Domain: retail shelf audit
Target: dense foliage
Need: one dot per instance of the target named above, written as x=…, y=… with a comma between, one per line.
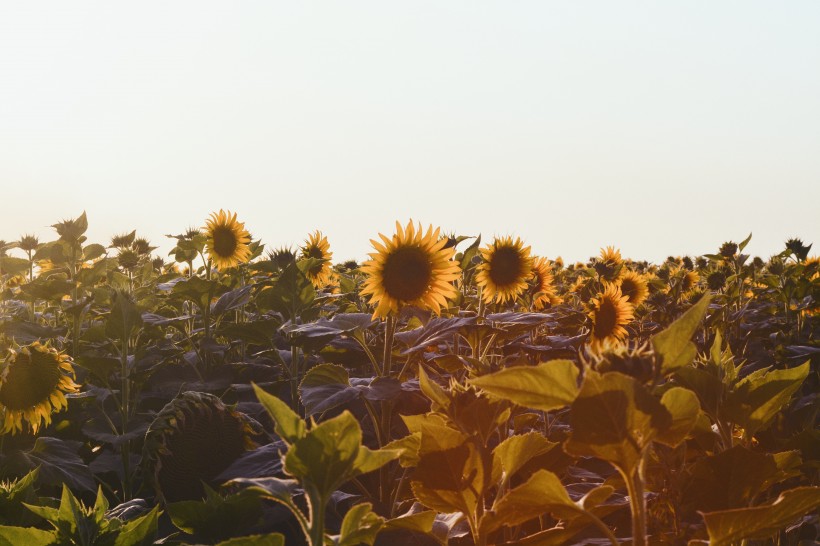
x=443, y=392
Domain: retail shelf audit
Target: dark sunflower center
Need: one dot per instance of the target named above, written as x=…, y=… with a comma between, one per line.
x=505, y=266
x=606, y=319
x=407, y=274
x=629, y=289
x=30, y=381
x=315, y=252
x=205, y=445
x=225, y=242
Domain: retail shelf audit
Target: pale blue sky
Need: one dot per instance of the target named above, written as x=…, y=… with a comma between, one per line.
x=662, y=128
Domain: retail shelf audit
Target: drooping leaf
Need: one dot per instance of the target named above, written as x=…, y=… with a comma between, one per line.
x=729, y=526
x=547, y=386
x=326, y=386
x=615, y=418
x=450, y=480
x=541, y=493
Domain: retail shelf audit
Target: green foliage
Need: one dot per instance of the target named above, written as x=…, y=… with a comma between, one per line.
x=74, y=523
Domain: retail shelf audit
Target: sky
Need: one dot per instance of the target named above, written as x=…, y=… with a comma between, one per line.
x=663, y=128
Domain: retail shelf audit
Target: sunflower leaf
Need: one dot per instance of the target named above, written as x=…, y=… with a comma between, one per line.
x=673, y=345
x=547, y=386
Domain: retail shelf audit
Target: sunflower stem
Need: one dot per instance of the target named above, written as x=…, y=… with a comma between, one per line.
x=389, y=332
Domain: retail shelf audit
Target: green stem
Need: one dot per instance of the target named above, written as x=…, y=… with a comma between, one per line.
x=637, y=502
x=317, y=520
x=389, y=331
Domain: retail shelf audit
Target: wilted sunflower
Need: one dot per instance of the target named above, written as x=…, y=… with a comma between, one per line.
x=544, y=289
x=227, y=243
x=635, y=287
x=318, y=248
x=33, y=383
x=413, y=268
x=192, y=439
x=503, y=273
x=610, y=311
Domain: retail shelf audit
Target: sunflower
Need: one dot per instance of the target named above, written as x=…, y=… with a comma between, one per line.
x=193, y=424
x=317, y=248
x=610, y=311
x=610, y=264
x=33, y=383
x=634, y=286
x=228, y=240
x=413, y=268
x=503, y=273
x=544, y=289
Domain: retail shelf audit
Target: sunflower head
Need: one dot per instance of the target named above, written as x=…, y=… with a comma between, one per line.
x=29, y=243
x=505, y=268
x=123, y=240
x=282, y=257
x=609, y=313
x=609, y=264
x=33, y=384
x=227, y=240
x=192, y=439
x=635, y=287
x=317, y=248
x=128, y=259
x=639, y=362
x=142, y=246
x=542, y=284
x=728, y=249
x=411, y=268
x=796, y=247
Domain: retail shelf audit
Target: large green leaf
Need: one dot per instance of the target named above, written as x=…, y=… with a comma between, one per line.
x=729, y=526
x=216, y=516
x=124, y=318
x=682, y=404
x=540, y=494
x=547, y=386
x=673, y=345
x=615, y=418
x=359, y=526
x=325, y=387
x=287, y=424
x=734, y=478
x=17, y=536
x=758, y=397
x=513, y=453
x=450, y=480
x=291, y=294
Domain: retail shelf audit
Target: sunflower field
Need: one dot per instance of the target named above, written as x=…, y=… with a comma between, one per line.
x=449, y=390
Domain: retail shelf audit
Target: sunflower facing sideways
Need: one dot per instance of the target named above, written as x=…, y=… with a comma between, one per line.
x=543, y=280
x=634, y=286
x=33, y=382
x=228, y=240
x=609, y=312
x=317, y=248
x=411, y=268
x=504, y=271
